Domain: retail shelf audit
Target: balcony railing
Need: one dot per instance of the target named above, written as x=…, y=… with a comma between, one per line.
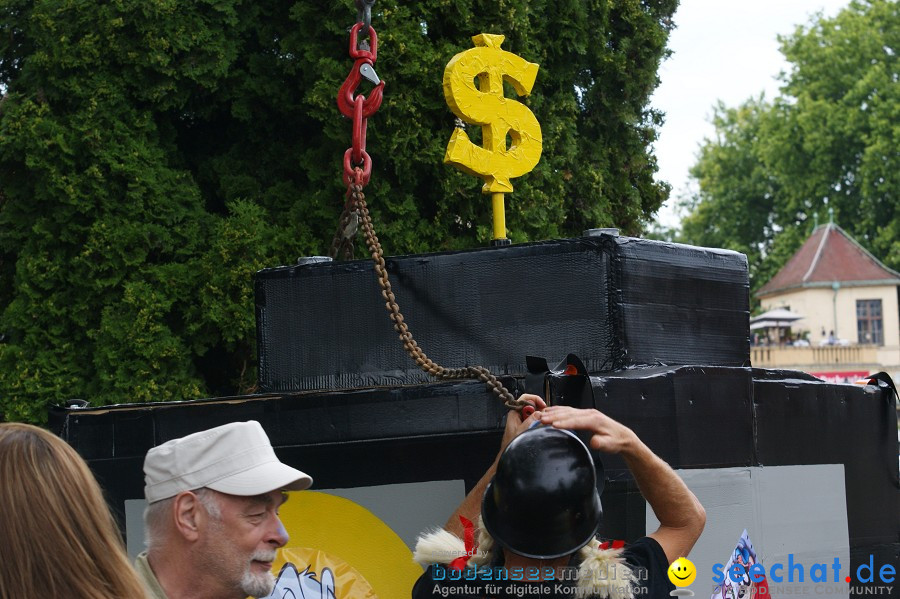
x=824, y=356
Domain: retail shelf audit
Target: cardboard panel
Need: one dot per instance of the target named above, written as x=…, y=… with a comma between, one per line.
x=682, y=304
x=692, y=417
x=611, y=301
x=624, y=512
x=324, y=326
x=796, y=510
x=801, y=421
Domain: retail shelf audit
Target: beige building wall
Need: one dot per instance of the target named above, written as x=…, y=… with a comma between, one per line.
x=816, y=306
x=823, y=308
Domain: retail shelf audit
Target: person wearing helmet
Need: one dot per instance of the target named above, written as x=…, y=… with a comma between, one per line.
x=540, y=511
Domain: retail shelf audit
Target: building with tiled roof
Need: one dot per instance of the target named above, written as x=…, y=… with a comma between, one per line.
x=829, y=256
x=846, y=296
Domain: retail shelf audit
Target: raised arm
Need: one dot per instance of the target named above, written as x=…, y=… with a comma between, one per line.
x=470, y=508
x=679, y=512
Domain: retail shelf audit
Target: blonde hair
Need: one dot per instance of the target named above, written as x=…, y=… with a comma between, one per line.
x=57, y=534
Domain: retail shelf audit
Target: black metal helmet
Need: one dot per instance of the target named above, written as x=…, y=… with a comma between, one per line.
x=543, y=502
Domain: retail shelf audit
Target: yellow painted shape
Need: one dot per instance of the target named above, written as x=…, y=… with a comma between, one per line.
x=498, y=116
x=499, y=215
x=368, y=558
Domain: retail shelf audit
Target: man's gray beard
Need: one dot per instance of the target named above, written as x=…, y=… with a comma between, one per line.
x=259, y=585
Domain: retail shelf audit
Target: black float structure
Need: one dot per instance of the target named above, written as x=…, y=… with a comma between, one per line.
x=663, y=330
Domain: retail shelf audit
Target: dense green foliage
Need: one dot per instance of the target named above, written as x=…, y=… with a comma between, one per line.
x=155, y=153
x=828, y=141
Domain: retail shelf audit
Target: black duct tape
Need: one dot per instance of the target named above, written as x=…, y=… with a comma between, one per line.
x=802, y=421
x=682, y=304
x=691, y=416
x=569, y=384
x=324, y=326
x=438, y=431
x=343, y=439
x=612, y=301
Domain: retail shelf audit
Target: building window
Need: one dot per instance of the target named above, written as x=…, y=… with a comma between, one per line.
x=869, y=325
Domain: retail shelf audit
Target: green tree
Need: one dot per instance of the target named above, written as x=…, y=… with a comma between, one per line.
x=828, y=141
x=737, y=193
x=153, y=155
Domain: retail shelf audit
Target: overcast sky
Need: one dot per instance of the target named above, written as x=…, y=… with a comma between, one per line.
x=722, y=50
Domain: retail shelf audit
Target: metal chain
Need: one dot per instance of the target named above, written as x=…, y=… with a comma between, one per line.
x=357, y=170
x=409, y=344
x=364, y=13
x=348, y=224
x=358, y=108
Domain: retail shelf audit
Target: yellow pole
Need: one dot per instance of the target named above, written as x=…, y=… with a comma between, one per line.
x=499, y=215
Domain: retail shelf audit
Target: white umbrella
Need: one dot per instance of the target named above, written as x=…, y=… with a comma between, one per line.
x=778, y=317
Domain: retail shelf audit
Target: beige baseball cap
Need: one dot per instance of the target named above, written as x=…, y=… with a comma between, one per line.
x=235, y=458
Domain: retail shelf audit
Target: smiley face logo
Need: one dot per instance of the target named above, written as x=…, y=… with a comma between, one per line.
x=682, y=572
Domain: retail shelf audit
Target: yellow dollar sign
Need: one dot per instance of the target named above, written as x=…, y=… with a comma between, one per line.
x=497, y=115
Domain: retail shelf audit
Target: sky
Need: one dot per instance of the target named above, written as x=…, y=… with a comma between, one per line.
x=721, y=50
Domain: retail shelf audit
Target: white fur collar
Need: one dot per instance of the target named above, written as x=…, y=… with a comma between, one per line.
x=602, y=573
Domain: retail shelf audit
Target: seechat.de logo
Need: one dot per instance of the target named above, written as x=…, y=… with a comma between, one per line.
x=795, y=571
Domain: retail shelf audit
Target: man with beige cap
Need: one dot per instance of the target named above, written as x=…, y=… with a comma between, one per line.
x=212, y=520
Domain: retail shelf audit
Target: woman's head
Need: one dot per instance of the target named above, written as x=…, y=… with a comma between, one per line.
x=58, y=537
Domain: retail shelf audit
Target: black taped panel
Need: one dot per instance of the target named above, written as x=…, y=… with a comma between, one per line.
x=683, y=305
x=443, y=431
x=415, y=459
x=93, y=435
x=876, y=557
x=611, y=301
x=800, y=421
x=294, y=420
x=324, y=326
x=679, y=413
x=692, y=416
x=624, y=512
x=120, y=479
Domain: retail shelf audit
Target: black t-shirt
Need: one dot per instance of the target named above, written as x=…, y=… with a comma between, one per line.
x=645, y=557
x=650, y=566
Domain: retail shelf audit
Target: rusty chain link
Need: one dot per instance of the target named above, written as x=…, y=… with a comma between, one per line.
x=348, y=224
x=357, y=170
x=358, y=201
